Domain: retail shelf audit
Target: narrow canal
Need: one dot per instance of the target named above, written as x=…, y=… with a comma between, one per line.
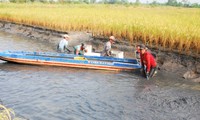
x=58, y=93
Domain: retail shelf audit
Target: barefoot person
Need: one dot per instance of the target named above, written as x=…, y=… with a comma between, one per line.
x=63, y=44
x=107, y=46
x=148, y=62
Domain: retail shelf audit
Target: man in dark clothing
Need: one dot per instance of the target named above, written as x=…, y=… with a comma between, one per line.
x=148, y=62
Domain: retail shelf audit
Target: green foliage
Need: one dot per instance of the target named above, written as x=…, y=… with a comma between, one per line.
x=195, y=5
x=172, y=2
x=92, y=1
x=18, y=1
x=183, y=3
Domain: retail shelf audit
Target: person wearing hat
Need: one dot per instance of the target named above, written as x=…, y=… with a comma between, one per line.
x=107, y=46
x=80, y=49
x=137, y=52
x=148, y=62
x=63, y=44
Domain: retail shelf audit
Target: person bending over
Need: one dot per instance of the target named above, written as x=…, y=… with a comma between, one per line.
x=80, y=49
x=148, y=62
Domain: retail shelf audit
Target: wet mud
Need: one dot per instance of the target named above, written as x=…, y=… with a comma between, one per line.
x=36, y=92
x=183, y=66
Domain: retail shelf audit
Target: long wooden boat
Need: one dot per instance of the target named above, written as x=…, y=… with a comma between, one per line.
x=70, y=60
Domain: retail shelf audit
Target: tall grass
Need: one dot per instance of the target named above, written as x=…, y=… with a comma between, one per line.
x=167, y=28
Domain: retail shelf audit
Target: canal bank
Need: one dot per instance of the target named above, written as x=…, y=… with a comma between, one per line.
x=60, y=93
x=182, y=66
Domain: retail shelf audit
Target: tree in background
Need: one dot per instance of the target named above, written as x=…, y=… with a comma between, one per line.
x=114, y=1
x=172, y=2
x=86, y=1
x=154, y=3
x=186, y=3
x=124, y=1
x=92, y=1
x=183, y=3
x=137, y=2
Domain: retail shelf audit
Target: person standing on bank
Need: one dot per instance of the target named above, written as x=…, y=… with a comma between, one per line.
x=107, y=46
x=63, y=44
x=148, y=62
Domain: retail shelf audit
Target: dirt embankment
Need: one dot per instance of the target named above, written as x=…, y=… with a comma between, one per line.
x=181, y=65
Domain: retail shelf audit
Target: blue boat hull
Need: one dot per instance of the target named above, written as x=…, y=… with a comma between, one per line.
x=70, y=60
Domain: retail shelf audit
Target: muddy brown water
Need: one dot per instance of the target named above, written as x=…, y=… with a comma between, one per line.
x=58, y=93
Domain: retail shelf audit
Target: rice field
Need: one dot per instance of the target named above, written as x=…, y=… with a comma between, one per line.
x=166, y=28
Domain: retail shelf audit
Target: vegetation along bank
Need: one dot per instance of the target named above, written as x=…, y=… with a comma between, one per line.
x=173, y=33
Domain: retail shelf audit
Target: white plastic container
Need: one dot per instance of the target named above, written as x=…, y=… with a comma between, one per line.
x=92, y=54
x=118, y=54
x=89, y=48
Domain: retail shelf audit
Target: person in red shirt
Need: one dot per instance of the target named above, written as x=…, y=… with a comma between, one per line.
x=148, y=62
